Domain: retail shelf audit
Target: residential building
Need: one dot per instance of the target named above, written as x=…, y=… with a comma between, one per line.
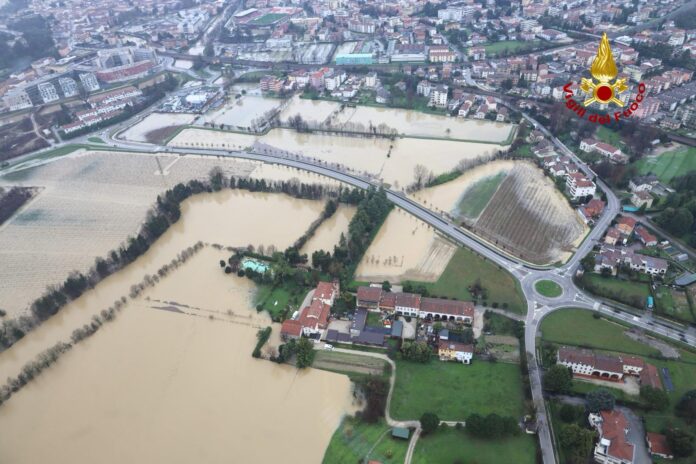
x=626, y=225
x=604, y=149
x=455, y=351
x=369, y=298
x=580, y=186
x=592, y=210
x=446, y=310
x=68, y=86
x=438, y=96
x=441, y=54
x=613, y=446
x=643, y=183
x=17, y=100
x=586, y=363
x=646, y=238
x=658, y=446
x=48, y=92
x=89, y=82
x=641, y=198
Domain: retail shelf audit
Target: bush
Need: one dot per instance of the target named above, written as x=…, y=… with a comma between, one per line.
x=262, y=337
x=305, y=353
x=429, y=422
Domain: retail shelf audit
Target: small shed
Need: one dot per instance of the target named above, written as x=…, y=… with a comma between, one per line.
x=397, y=329
x=401, y=432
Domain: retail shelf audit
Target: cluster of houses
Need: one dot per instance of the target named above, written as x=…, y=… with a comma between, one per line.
x=103, y=106
x=562, y=166
x=614, y=253
x=613, y=445
x=313, y=319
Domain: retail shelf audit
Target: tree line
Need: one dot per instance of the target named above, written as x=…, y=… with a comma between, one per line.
x=13, y=199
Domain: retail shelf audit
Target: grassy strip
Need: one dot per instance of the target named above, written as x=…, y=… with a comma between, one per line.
x=354, y=439
x=548, y=288
x=262, y=337
x=478, y=196
x=464, y=269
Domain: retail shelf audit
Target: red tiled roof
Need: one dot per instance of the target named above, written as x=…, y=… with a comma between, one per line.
x=324, y=290
x=452, y=307
x=633, y=361
x=369, y=294
x=456, y=346
x=645, y=236
x=316, y=314
x=608, y=363
x=291, y=327
x=627, y=221
x=614, y=425
x=388, y=300
x=658, y=444
x=408, y=300
x=650, y=376
x=576, y=356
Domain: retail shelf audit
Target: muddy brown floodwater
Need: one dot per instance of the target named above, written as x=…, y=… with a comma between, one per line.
x=172, y=378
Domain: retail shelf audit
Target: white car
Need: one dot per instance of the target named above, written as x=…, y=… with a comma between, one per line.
x=328, y=347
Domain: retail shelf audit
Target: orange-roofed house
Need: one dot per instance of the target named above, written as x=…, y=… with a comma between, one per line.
x=657, y=445
x=291, y=329
x=613, y=446
x=326, y=292
x=626, y=225
x=315, y=317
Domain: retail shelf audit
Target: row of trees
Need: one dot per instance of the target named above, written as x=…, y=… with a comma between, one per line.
x=13, y=199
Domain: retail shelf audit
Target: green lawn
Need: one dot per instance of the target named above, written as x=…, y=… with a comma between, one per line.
x=511, y=46
x=477, y=197
x=353, y=439
x=95, y=140
x=275, y=300
x=447, y=445
x=453, y=390
x=464, y=269
x=267, y=19
x=669, y=164
x=579, y=327
x=624, y=291
x=673, y=303
x=606, y=135
x=548, y=288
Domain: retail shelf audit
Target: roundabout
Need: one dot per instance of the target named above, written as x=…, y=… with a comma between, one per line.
x=548, y=288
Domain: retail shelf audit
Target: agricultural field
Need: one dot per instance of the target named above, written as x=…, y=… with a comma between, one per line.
x=356, y=441
x=669, y=164
x=394, y=162
x=477, y=197
x=529, y=218
x=424, y=259
x=51, y=231
x=448, y=445
x=316, y=111
x=156, y=127
x=432, y=387
x=464, y=269
x=349, y=364
x=417, y=124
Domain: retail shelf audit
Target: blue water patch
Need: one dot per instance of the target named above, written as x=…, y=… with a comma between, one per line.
x=668, y=379
x=255, y=265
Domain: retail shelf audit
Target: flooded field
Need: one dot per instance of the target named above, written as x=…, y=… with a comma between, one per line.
x=415, y=123
x=392, y=161
x=446, y=197
x=64, y=230
x=329, y=233
x=241, y=113
x=424, y=258
x=147, y=129
x=310, y=110
x=175, y=382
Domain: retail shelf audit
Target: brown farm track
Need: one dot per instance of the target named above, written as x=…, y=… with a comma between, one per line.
x=529, y=218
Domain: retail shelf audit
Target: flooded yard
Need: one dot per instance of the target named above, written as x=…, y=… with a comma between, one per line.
x=244, y=112
x=154, y=124
x=310, y=110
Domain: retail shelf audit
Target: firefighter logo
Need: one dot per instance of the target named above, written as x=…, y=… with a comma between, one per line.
x=603, y=71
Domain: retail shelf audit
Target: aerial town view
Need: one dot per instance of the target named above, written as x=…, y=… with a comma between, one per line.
x=348, y=231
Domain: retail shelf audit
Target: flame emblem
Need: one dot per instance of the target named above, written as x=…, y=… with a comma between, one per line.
x=604, y=71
